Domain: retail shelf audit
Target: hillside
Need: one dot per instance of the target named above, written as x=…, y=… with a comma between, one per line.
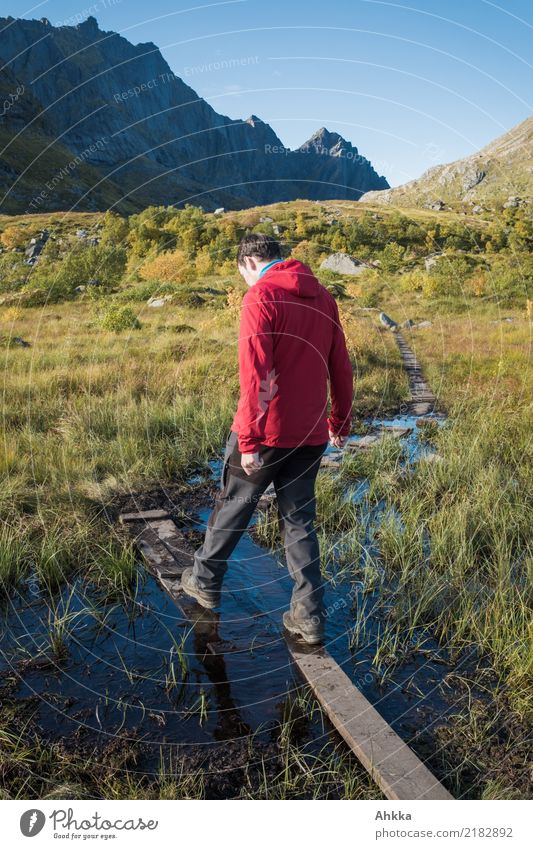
x=498, y=174
x=92, y=121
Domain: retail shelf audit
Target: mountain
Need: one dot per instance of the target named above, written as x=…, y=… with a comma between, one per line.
x=502, y=172
x=90, y=121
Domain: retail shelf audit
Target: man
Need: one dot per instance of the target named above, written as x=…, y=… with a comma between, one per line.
x=290, y=345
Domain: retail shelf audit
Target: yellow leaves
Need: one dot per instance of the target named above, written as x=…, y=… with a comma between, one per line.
x=202, y=263
x=234, y=301
x=14, y=237
x=170, y=267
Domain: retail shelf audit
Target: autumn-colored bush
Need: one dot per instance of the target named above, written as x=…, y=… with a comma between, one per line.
x=169, y=267
x=14, y=237
x=307, y=252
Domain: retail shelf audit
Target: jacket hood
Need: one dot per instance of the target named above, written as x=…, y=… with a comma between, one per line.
x=294, y=277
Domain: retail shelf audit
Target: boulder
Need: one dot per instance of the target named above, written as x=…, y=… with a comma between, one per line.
x=219, y=211
x=387, y=322
x=431, y=260
x=342, y=263
x=158, y=301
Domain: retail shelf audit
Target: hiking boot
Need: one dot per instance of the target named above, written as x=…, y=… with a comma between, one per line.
x=207, y=598
x=310, y=630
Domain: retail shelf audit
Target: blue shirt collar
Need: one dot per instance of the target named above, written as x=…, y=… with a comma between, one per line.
x=269, y=266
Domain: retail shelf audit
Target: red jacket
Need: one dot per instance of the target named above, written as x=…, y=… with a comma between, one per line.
x=290, y=345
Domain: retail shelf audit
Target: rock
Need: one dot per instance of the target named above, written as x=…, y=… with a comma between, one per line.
x=276, y=229
x=331, y=460
x=158, y=301
x=512, y=202
x=421, y=324
x=342, y=263
x=387, y=322
x=219, y=211
x=79, y=289
x=477, y=210
x=432, y=260
x=432, y=457
x=36, y=247
x=472, y=178
x=266, y=219
x=184, y=328
x=82, y=234
x=436, y=205
x=18, y=340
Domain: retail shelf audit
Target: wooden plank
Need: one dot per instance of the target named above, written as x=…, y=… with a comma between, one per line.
x=390, y=762
x=143, y=516
x=165, y=549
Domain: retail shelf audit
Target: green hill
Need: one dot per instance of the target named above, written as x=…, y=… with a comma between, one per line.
x=500, y=173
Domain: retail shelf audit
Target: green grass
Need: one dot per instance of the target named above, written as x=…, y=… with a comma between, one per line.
x=90, y=414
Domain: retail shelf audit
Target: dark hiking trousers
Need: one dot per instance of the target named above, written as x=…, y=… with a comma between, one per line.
x=293, y=472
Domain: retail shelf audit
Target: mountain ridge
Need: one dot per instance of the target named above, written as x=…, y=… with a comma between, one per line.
x=500, y=172
x=157, y=141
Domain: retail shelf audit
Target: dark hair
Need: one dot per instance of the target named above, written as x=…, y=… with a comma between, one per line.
x=258, y=245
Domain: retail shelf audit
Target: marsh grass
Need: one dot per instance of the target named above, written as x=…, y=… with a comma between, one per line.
x=88, y=414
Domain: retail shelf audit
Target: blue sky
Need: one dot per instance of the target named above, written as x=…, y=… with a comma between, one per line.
x=411, y=84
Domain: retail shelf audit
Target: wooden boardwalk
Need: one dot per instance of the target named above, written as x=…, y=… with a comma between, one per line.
x=422, y=400
x=390, y=762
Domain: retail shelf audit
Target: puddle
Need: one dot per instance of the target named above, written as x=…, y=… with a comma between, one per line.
x=146, y=673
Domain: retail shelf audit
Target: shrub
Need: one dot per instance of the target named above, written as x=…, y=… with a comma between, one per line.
x=54, y=281
x=169, y=267
x=307, y=252
x=391, y=258
x=413, y=281
x=448, y=276
x=202, y=263
x=117, y=317
x=13, y=272
x=14, y=236
x=234, y=300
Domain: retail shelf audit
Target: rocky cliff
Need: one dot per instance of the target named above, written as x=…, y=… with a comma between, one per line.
x=499, y=174
x=91, y=121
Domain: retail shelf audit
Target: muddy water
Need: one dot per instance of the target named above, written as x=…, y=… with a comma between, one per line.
x=120, y=670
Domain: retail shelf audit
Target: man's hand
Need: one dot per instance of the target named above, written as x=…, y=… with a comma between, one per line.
x=251, y=463
x=337, y=441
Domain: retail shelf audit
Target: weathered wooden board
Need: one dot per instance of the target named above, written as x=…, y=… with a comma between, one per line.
x=390, y=762
x=422, y=398
x=143, y=516
x=164, y=548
